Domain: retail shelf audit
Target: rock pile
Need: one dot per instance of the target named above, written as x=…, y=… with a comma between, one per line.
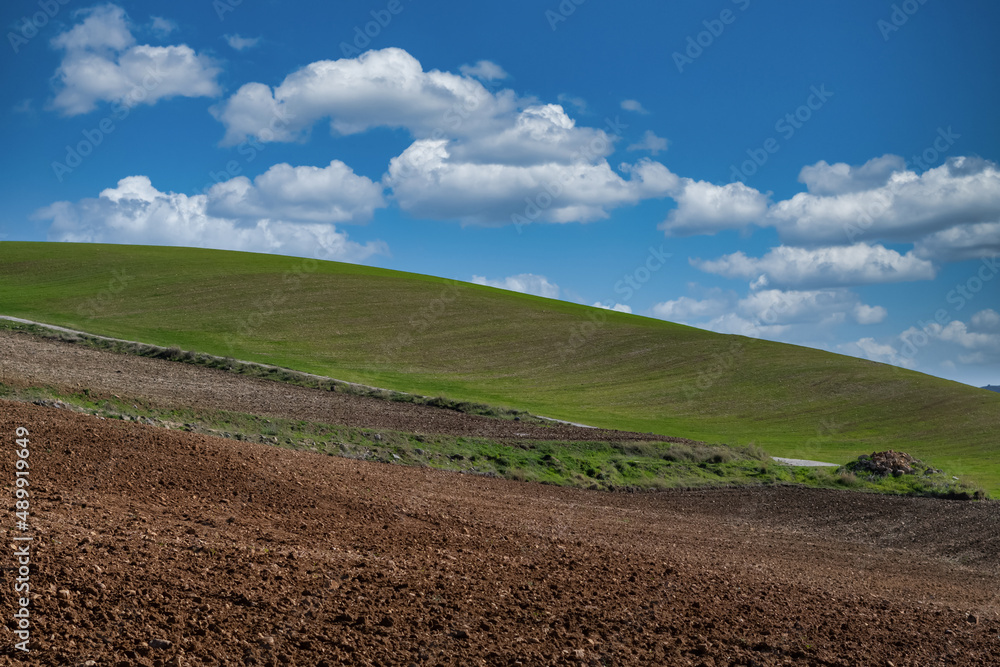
x=888, y=463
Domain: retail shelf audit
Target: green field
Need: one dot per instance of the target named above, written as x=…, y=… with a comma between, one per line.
x=437, y=337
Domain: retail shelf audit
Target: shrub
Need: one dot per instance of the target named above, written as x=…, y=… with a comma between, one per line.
x=755, y=452
x=721, y=455
x=847, y=478
x=679, y=454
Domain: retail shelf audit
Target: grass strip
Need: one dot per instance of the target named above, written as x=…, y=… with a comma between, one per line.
x=597, y=465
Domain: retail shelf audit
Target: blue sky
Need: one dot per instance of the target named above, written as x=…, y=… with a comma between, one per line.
x=819, y=173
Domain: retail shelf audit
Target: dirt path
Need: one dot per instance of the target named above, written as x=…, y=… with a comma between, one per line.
x=235, y=553
x=804, y=463
x=30, y=361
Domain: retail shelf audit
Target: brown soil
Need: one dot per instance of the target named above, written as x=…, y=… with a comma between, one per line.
x=234, y=553
x=157, y=547
x=31, y=361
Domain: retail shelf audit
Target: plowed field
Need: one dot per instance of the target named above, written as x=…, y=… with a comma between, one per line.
x=158, y=547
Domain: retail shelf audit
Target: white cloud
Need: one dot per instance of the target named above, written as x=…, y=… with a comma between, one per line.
x=833, y=179
x=300, y=194
x=865, y=314
x=869, y=348
x=163, y=27
x=633, y=105
x=241, y=43
x=950, y=213
x=705, y=208
x=973, y=241
x=732, y=323
x=577, y=103
x=798, y=306
x=986, y=321
x=102, y=63
x=536, y=135
x=528, y=283
x=384, y=88
x=428, y=182
x=786, y=266
x=685, y=309
x=135, y=212
x=962, y=191
x=477, y=156
x=939, y=348
x=650, y=142
x=484, y=69
x=776, y=314
x=957, y=332
x=104, y=28
x=619, y=307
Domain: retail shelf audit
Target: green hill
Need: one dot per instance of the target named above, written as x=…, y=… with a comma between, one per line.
x=438, y=337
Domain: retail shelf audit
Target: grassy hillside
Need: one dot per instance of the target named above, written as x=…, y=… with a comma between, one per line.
x=433, y=336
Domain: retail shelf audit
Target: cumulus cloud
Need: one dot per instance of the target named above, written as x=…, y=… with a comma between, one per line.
x=384, y=88
x=825, y=179
x=102, y=63
x=787, y=266
x=300, y=194
x=869, y=348
x=135, y=212
x=798, y=306
x=951, y=342
x=633, y=105
x=528, y=283
x=241, y=43
x=705, y=208
x=649, y=142
x=986, y=321
x=163, y=27
x=478, y=156
x=104, y=27
x=950, y=213
x=619, y=307
x=958, y=332
x=771, y=313
x=865, y=314
x=907, y=207
x=933, y=345
x=538, y=134
x=484, y=69
x=686, y=309
x=973, y=241
x=428, y=182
